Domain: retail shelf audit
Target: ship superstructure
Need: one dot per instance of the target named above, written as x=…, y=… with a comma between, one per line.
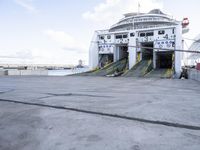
x=138, y=37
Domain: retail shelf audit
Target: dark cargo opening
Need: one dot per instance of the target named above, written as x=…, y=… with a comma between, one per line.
x=164, y=60
x=123, y=52
x=147, y=51
x=105, y=59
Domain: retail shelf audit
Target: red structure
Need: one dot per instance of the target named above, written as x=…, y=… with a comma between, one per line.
x=185, y=22
x=198, y=66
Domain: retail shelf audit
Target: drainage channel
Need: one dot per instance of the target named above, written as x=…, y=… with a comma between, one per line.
x=164, y=123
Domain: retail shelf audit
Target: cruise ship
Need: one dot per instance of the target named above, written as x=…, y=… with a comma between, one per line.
x=142, y=42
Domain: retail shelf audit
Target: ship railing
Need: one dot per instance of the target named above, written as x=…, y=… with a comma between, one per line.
x=102, y=31
x=122, y=23
x=151, y=26
x=122, y=29
x=147, y=19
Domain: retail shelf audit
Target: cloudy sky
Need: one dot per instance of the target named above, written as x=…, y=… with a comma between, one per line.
x=59, y=31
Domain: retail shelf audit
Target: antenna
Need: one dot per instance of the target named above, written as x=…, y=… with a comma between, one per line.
x=139, y=7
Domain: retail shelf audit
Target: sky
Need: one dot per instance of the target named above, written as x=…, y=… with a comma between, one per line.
x=60, y=31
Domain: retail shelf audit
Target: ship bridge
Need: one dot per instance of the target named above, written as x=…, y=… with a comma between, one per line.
x=154, y=18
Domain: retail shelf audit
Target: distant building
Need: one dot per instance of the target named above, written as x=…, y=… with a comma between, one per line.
x=80, y=64
x=155, y=31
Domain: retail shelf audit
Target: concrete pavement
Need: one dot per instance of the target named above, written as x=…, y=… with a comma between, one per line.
x=27, y=126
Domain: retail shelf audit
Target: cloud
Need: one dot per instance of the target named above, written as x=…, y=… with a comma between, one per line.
x=61, y=38
x=68, y=48
x=110, y=11
x=65, y=41
x=24, y=54
x=20, y=56
x=27, y=4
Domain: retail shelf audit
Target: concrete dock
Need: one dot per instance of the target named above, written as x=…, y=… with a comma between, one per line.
x=96, y=113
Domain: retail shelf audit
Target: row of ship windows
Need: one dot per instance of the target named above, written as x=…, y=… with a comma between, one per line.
x=118, y=36
x=160, y=32
x=121, y=36
x=142, y=34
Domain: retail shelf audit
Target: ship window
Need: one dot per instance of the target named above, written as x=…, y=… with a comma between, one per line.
x=132, y=34
x=108, y=37
x=101, y=37
x=118, y=36
x=149, y=34
x=173, y=31
x=161, y=32
x=125, y=36
x=142, y=34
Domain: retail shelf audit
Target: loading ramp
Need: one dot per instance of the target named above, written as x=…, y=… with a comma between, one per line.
x=140, y=69
x=160, y=73
x=118, y=67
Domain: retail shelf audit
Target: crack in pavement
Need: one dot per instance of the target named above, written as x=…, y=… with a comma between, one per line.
x=6, y=91
x=40, y=98
x=75, y=94
x=164, y=123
